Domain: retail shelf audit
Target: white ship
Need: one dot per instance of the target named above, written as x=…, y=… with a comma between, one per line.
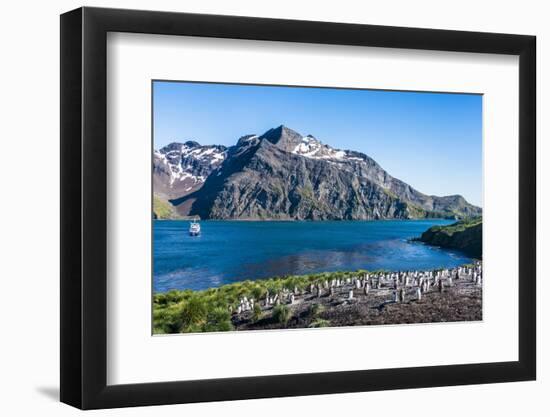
x=194, y=228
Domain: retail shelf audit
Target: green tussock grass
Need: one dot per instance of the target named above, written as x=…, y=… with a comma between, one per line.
x=319, y=323
x=282, y=314
x=190, y=311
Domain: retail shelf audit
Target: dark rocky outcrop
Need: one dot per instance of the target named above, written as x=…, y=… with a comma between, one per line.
x=465, y=235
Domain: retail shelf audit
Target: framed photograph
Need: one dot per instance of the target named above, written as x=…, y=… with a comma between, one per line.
x=256, y=208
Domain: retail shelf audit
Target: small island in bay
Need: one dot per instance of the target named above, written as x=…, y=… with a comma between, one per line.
x=260, y=226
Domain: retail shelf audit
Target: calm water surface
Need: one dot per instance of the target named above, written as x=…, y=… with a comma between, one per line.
x=229, y=251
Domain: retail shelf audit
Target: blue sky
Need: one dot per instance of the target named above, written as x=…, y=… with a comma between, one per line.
x=432, y=141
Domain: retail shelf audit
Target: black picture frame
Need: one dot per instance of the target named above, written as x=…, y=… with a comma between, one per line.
x=84, y=207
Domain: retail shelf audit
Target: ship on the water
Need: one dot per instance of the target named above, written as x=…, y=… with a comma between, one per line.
x=194, y=228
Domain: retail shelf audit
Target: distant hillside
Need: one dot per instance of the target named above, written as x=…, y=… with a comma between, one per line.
x=181, y=168
x=282, y=175
x=163, y=210
x=464, y=235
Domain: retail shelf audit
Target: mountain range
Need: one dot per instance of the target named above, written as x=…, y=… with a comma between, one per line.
x=282, y=175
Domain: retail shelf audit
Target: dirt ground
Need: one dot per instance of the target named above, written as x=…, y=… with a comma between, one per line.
x=461, y=302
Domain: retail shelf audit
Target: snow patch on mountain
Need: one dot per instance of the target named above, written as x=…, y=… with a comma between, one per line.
x=189, y=164
x=312, y=148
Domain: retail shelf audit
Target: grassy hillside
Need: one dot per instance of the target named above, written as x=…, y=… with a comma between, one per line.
x=464, y=235
x=162, y=209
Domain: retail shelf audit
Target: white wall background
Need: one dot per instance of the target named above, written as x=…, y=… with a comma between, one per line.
x=29, y=177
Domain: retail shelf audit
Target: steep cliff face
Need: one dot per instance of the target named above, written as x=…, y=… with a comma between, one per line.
x=465, y=236
x=284, y=175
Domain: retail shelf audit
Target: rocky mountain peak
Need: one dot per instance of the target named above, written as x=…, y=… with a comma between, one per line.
x=283, y=137
x=173, y=146
x=247, y=140
x=192, y=144
x=308, y=146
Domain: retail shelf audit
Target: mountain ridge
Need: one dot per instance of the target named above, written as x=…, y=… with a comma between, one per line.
x=282, y=175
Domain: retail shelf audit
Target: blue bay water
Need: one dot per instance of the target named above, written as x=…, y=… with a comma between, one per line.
x=230, y=251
